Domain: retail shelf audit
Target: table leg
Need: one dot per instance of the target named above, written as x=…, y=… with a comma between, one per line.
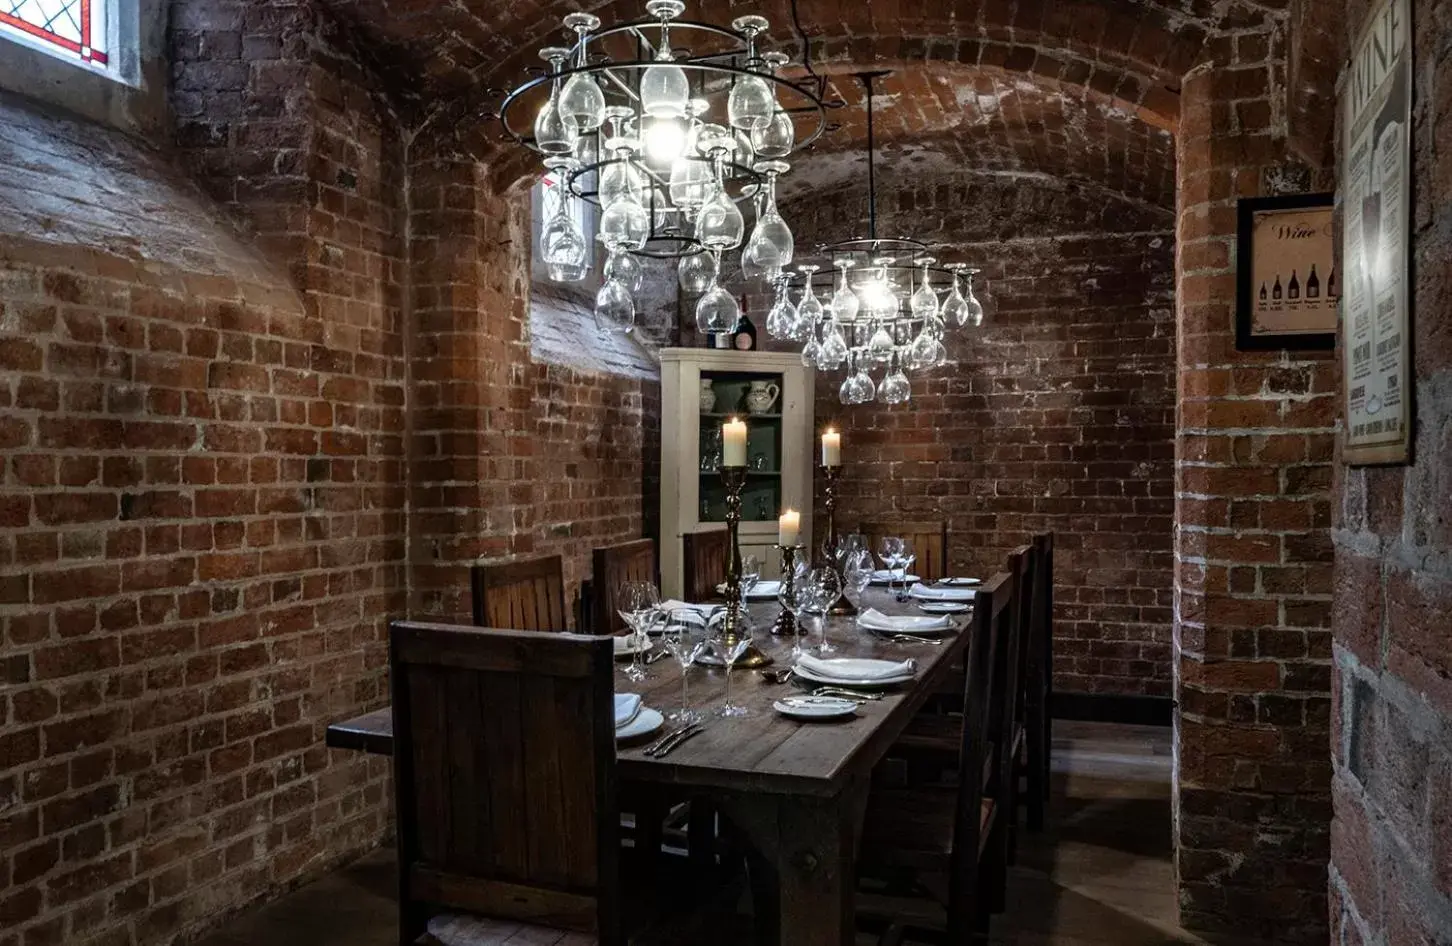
x=805, y=848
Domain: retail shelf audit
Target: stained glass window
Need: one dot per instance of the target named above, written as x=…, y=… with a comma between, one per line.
x=73, y=27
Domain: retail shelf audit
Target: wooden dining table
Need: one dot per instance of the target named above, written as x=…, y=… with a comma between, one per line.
x=796, y=790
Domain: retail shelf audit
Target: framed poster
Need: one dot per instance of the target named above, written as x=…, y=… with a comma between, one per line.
x=1285, y=279
x=1376, y=113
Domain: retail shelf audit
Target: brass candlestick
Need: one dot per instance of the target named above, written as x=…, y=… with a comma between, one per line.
x=786, y=622
x=734, y=477
x=829, y=546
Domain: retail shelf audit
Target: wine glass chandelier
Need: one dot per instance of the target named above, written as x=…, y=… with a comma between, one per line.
x=667, y=128
x=874, y=320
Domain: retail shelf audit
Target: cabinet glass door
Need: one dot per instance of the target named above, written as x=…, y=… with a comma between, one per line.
x=754, y=397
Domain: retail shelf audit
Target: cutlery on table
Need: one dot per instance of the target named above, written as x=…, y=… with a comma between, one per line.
x=662, y=654
x=843, y=692
x=655, y=746
x=911, y=639
x=673, y=740
x=686, y=736
x=776, y=676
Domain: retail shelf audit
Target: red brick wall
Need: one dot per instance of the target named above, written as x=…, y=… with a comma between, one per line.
x=1252, y=544
x=1057, y=416
x=201, y=541
x=1391, y=841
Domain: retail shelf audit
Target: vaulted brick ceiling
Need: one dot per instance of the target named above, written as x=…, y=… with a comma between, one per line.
x=1082, y=89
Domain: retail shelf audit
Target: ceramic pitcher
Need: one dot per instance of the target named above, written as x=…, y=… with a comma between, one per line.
x=708, y=396
x=762, y=396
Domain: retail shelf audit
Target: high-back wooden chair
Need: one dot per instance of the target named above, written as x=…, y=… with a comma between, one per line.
x=954, y=829
x=613, y=566
x=526, y=595
x=929, y=541
x=504, y=781
x=704, y=557
x=1039, y=680
x=1022, y=564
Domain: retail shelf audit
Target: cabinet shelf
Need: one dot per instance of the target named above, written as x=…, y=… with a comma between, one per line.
x=741, y=414
x=749, y=473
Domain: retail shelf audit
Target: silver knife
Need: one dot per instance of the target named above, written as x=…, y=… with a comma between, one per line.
x=685, y=737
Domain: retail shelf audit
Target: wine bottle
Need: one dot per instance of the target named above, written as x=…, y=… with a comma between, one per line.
x=744, y=338
x=1313, y=284
x=1331, y=284
x=1262, y=292
x=1276, y=289
x=1293, y=288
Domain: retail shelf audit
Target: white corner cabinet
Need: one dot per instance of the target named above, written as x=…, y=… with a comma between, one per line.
x=700, y=390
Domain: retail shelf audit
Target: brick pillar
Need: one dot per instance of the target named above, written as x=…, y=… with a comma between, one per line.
x=1254, y=446
x=470, y=469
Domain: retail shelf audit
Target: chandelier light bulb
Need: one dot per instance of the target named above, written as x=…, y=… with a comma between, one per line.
x=665, y=141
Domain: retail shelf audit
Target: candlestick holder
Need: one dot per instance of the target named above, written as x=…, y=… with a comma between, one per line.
x=735, y=627
x=829, y=545
x=786, y=622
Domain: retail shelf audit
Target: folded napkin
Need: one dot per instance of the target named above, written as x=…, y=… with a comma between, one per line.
x=762, y=589
x=848, y=668
x=940, y=593
x=875, y=620
x=706, y=612
x=890, y=574
x=627, y=707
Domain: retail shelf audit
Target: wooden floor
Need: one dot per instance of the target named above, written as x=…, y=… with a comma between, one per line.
x=1101, y=874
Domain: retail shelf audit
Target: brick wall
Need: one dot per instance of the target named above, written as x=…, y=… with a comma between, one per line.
x=1252, y=543
x=1057, y=415
x=1391, y=841
x=202, y=538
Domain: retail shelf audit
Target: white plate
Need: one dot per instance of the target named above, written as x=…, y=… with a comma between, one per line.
x=960, y=582
x=909, y=624
x=645, y=722
x=815, y=707
x=882, y=576
x=943, y=607
x=839, y=682
x=763, y=591
x=941, y=594
x=628, y=645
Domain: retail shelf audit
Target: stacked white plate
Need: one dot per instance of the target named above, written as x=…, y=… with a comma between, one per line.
x=884, y=575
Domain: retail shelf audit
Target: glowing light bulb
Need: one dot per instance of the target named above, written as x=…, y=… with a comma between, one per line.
x=665, y=141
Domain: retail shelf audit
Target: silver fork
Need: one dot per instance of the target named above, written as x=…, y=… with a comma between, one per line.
x=673, y=740
x=849, y=694
x=683, y=738
x=912, y=639
x=655, y=746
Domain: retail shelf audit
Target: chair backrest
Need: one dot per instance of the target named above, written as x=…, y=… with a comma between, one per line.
x=527, y=595
x=704, y=556
x=1022, y=564
x=929, y=541
x=614, y=565
x=1041, y=616
x=993, y=601
x=504, y=777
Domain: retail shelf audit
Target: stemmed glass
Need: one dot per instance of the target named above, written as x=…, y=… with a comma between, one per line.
x=750, y=575
x=796, y=598
x=684, y=635
x=890, y=551
x=826, y=588
x=904, y=563
x=729, y=651
x=638, y=601
x=856, y=575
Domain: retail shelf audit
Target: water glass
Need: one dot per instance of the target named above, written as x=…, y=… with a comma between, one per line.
x=637, y=601
x=683, y=634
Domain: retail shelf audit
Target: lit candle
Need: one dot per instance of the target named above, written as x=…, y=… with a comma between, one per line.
x=733, y=443
x=831, y=448
x=788, y=528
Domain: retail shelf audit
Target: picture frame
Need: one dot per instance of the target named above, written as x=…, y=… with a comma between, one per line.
x=1287, y=286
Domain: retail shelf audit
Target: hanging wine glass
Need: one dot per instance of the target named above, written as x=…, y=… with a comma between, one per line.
x=975, y=308
x=614, y=308
x=552, y=134
x=923, y=352
x=955, y=307
x=895, y=388
x=845, y=303
x=924, y=302
x=664, y=89
x=695, y=273
x=719, y=225
x=582, y=104
x=620, y=179
x=878, y=298
x=857, y=387
x=812, y=348
x=881, y=346
x=752, y=102
x=690, y=174
x=774, y=140
x=772, y=245
x=834, y=349
x=626, y=268
x=808, y=310
x=717, y=310
x=562, y=245
x=780, y=319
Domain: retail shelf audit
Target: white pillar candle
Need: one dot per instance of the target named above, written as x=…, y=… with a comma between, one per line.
x=733, y=443
x=788, y=528
x=831, y=448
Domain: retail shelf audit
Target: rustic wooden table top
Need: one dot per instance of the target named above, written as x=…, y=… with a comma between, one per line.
x=763, y=751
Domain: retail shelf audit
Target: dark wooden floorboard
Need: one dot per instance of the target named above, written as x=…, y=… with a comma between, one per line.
x=1101, y=874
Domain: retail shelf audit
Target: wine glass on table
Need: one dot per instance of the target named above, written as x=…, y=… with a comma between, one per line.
x=684, y=636
x=750, y=577
x=797, y=599
x=730, y=650
x=638, y=601
x=826, y=588
x=889, y=550
x=857, y=571
x=905, y=561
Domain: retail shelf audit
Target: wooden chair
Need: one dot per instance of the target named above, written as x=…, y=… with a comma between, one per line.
x=614, y=565
x=527, y=595
x=1039, y=680
x=704, y=557
x=505, y=786
x=929, y=541
x=957, y=829
x=1022, y=564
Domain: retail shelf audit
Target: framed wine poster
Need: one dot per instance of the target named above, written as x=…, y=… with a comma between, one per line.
x=1376, y=114
x=1286, y=280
